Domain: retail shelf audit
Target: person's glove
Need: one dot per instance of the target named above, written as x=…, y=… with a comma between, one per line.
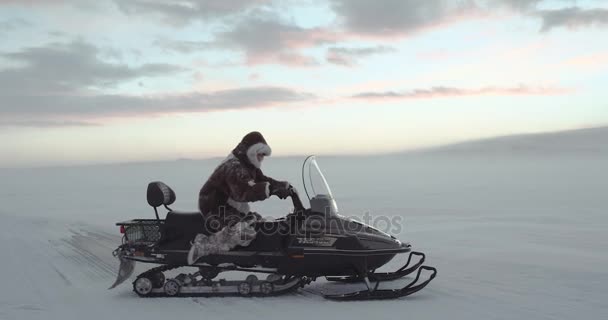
x=252, y=217
x=282, y=191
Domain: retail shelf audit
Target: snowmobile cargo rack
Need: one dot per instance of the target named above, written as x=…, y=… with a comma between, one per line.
x=141, y=230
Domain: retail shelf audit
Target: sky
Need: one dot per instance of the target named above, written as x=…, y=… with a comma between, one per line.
x=88, y=81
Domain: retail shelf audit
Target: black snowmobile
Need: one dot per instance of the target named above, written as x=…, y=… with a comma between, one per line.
x=293, y=251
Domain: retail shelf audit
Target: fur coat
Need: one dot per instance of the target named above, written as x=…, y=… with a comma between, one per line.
x=238, y=180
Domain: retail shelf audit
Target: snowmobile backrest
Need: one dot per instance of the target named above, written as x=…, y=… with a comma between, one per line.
x=160, y=194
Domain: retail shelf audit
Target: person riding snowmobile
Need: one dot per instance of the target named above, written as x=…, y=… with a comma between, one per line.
x=224, y=198
x=237, y=181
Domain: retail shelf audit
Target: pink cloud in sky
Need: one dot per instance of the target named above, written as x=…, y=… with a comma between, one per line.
x=269, y=39
x=445, y=92
x=288, y=41
x=422, y=29
x=31, y=2
x=288, y=58
x=292, y=41
x=599, y=59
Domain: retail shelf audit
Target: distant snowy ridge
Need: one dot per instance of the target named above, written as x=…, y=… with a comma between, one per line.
x=581, y=141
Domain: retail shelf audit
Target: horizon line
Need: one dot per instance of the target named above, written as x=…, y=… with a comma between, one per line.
x=414, y=150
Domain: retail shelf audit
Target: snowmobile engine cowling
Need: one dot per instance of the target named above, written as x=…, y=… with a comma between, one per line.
x=324, y=203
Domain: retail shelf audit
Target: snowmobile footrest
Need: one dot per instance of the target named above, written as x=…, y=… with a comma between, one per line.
x=386, y=276
x=409, y=289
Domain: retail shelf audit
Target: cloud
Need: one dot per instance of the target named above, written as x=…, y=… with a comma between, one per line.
x=265, y=38
x=596, y=61
x=520, y=5
x=183, y=12
x=572, y=18
x=93, y=6
x=31, y=2
x=569, y=17
x=293, y=59
x=69, y=67
x=440, y=92
x=61, y=107
x=384, y=18
x=46, y=124
x=348, y=56
x=13, y=24
x=182, y=46
x=398, y=18
x=60, y=84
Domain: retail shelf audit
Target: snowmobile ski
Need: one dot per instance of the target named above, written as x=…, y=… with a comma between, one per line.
x=385, y=276
x=383, y=294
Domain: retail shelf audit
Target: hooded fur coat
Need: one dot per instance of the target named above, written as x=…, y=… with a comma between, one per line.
x=237, y=181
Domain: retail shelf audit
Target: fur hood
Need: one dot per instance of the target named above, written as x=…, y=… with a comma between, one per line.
x=248, y=149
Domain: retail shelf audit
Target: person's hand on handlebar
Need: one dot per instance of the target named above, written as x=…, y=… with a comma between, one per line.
x=282, y=191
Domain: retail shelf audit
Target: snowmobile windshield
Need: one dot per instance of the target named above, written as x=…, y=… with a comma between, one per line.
x=314, y=179
x=316, y=187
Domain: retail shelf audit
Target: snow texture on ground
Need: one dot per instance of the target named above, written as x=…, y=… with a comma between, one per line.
x=516, y=234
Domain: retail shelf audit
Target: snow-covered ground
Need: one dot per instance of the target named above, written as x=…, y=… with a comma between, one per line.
x=516, y=227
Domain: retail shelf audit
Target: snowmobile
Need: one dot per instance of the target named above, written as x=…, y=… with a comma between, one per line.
x=293, y=251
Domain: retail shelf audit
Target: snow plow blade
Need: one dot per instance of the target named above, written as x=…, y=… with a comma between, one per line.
x=386, y=276
x=124, y=271
x=383, y=294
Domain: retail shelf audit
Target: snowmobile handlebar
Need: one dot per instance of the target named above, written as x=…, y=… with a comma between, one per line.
x=295, y=198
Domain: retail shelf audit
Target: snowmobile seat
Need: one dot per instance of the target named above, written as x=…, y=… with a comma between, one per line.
x=184, y=218
x=181, y=228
